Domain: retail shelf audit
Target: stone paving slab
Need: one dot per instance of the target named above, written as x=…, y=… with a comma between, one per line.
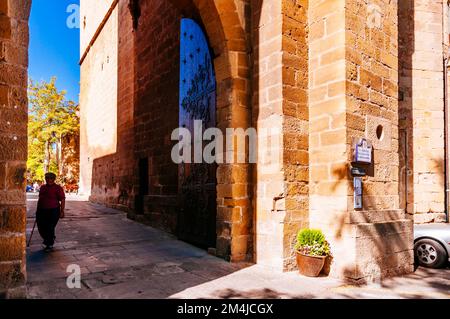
x=120, y=258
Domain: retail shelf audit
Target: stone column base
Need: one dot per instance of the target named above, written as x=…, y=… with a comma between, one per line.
x=374, y=246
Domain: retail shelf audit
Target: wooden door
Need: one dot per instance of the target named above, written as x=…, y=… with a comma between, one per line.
x=197, y=181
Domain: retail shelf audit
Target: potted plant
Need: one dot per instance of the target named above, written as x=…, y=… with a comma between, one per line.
x=312, y=250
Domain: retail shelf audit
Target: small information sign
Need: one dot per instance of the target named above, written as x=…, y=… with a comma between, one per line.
x=363, y=151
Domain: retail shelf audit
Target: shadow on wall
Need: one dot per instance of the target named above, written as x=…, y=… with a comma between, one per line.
x=383, y=233
x=112, y=181
x=385, y=240
x=108, y=187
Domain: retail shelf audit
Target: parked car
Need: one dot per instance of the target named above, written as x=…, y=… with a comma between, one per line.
x=432, y=245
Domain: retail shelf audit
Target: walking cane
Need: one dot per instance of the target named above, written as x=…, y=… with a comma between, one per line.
x=31, y=236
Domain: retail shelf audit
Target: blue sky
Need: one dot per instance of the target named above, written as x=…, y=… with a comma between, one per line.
x=54, y=47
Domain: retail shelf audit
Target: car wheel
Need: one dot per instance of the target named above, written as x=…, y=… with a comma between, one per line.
x=429, y=253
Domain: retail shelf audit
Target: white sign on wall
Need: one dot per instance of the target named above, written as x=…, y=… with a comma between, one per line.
x=363, y=151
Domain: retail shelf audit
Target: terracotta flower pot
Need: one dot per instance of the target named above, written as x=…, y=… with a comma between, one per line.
x=310, y=266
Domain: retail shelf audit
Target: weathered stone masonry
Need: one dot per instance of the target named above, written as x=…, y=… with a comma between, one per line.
x=13, y=145
x=107, y=137
x=318, y=72
x=314, y=69
x=423, y=41
x=151, y=72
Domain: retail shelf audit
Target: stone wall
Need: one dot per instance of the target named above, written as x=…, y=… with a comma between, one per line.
x=107, y=161
x=13, y=145
x=353, y=83
x=384, y=244
x=125, y=168
x=92, y=14
x=280, y=108
x=422, y=108
x=296, y=124
x=320, y=74
x=329, y=181
x=267, y=114
x=99, y=70
x=156, y=108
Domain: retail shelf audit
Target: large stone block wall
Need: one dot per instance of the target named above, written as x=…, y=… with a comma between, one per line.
x=125, y=164
x=107, y=159
x=267, y=114
x=156, y=107
x=92, y=14
x=13, y=145
x=372, y=95
x=353, y=83
x=422, y=27
x=296, y=124
x=329, y=181
x=233, y=66
x=280, y=108
x=99, y=71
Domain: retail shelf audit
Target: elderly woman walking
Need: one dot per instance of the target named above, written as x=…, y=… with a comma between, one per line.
x=50, y=209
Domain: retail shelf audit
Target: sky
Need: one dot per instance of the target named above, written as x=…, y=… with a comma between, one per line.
x=54, y=47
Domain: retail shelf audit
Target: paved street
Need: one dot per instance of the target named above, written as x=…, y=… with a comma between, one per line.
x=120, y=258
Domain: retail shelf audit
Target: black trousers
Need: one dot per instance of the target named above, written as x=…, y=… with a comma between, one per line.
x=47, y=219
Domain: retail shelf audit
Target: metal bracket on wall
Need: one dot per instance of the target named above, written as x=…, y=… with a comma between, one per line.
x=275, y=199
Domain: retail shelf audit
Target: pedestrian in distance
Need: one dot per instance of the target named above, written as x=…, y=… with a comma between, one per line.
x=50, y=209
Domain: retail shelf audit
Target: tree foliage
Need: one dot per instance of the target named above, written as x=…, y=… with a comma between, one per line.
x=51, y=118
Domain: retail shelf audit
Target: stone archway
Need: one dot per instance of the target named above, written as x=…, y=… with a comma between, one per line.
x=224, y=27
x=146, y=82
x=197, y=187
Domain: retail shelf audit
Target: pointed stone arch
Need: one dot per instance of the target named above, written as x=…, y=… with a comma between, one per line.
x=226, y=28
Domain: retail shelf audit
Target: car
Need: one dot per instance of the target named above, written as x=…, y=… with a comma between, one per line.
x=432, y=245
x=29, y=189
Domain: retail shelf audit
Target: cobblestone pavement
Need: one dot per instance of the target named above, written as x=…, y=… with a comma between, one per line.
x=120, y=258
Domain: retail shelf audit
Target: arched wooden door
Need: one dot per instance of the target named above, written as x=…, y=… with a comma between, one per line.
x=197, y=181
